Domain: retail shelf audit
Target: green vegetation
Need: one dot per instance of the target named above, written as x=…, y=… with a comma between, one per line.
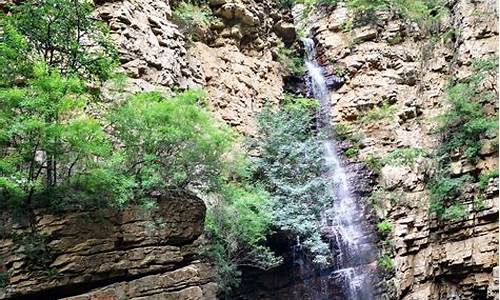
x=344, y=131
x=403, y=156
x=4, y=279
x=309, y=4
x=237, y=225
x=384, y=227
x=419, y=10
x=194, y=19
x=290, y=168
x=384, y=112
x=379, y=196
x=386, y=263
x=52, y=151
x=60, y=147
x=352, y=152
x=456, y=211
x=292, y=62
x=170, y=143
x=463, y=127
x=485, y=179
x=374, y=163
x=445, y=190
x=54, y=31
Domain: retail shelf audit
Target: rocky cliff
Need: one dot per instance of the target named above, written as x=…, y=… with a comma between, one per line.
x=392, y=68
x=133, y=254
x=128, y=254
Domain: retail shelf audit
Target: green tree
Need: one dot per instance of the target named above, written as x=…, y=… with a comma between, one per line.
x=48, y=143
x=171, y=143
x=291, y=168
x=62, y=33
x=237, y=224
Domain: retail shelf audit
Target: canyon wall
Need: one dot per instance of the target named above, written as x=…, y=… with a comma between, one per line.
x=109, y=254
x=137, y=253
x=391, y=63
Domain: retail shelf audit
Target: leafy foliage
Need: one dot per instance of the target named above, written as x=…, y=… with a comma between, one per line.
x=290, y=168
x=377, y=113
x=237, y=225
x=384, y=227
x=463, y=127
x=444, y=190
x=386, y=263
x=171, y=143
x=194, y=19
x=465, y=124
x=289, y=58
x=403, y=156
x=485, y=179
x=418, y=10
x=48, y=142
x=62, y=34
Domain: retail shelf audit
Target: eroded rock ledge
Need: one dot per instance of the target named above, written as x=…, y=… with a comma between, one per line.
x=110, y=254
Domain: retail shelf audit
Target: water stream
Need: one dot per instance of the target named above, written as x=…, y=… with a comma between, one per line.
x=343, y=224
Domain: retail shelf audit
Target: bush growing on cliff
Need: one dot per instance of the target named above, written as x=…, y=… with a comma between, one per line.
x=62, y=34
x=463, y=127
x=417, y=10
x=171, y=143
x=292, y=62
x=194, y=19
x=237, y=224
x=290, y=167
x=403, y=156
x=48, y=143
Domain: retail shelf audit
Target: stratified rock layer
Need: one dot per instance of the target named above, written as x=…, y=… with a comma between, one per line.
x=390, y=61
x=134, y=252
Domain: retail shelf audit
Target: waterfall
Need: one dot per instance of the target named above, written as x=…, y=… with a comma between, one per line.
x=343, y=223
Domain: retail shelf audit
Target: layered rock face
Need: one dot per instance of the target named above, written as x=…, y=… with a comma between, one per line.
x=390, y=63
x=239, y=72
x=109, y=254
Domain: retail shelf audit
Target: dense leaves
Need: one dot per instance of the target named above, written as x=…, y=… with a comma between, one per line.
x=290, y=168
x=171, y=143
x=61, y=33
x=48, y=142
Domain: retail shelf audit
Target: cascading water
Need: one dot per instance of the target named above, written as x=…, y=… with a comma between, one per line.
x=343, y=224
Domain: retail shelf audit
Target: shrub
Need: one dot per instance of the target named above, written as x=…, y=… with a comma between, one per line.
x=374, y=163
x=443, y=191
x=384, y=112
x=404, y=157
x=291, y=169
x=61, y=33
x=342, y=130
x=418, y=10
x=193, y=19
x=171, y=143
x=386, y=263
x=463, y=127
x=455, y=212
x=465, y=124
x=485, y=179
x=352, y=152
x=237, y=225
x=292, y=62
x=384, y=227
x=48, y=143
